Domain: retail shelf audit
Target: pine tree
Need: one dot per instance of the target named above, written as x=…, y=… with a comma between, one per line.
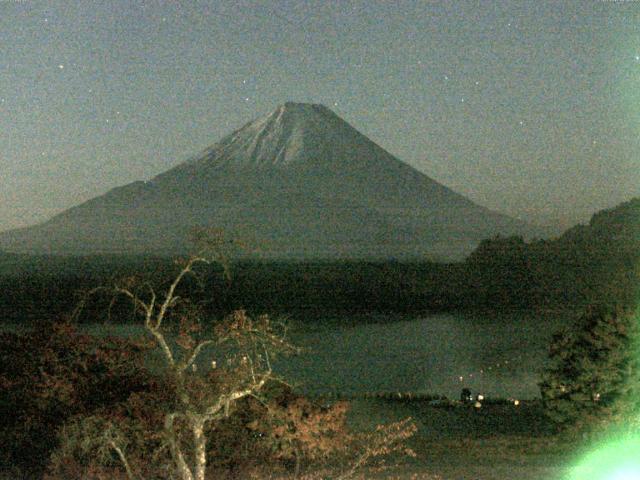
x=594, y=374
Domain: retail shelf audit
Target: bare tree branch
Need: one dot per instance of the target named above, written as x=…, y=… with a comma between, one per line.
x=194, y=355
x=225, y=400
x=123, y=459
x=170, y=293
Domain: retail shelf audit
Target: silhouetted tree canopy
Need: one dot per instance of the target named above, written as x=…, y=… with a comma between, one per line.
x=594, y=376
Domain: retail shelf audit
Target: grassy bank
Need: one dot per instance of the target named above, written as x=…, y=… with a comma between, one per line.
x=496, y=442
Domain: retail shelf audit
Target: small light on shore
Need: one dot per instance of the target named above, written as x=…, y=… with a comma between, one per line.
x=516, y=402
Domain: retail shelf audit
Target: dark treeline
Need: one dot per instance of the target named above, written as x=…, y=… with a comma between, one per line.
x=589, y=264
x=42, y=288
x=598, y=263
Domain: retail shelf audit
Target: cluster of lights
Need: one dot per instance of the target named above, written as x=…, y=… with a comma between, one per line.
x=482, y=371
x=480, y=397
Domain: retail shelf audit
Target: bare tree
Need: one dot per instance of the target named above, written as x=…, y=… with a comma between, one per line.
x=210, y=365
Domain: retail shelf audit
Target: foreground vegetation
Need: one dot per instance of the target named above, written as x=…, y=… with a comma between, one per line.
x=87, y=407
x=81, y=406
x=76, y=399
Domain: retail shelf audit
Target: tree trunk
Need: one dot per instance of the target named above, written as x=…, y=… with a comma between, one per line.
x=181, y=465
x=200, y=446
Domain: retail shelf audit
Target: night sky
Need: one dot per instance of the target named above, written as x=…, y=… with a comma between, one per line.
x=530, y=108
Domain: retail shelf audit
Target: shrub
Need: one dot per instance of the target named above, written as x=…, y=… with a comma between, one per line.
x=49, y=375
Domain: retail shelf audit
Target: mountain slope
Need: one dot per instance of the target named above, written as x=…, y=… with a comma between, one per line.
x=299, y=182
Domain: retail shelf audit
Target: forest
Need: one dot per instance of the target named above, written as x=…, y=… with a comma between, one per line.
x=589, y=264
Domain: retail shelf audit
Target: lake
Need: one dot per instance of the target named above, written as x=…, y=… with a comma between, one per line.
x=500, y=354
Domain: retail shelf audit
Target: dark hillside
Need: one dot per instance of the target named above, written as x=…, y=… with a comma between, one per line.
x=594, y=263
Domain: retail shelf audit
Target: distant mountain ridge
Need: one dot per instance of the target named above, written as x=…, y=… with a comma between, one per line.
x=297, y=183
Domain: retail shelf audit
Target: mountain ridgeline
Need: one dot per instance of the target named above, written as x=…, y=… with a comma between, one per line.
x=299, y=183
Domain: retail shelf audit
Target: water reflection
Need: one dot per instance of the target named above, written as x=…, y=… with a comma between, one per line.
x=499, y=354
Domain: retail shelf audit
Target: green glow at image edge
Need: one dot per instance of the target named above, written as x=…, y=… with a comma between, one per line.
x=616, y=460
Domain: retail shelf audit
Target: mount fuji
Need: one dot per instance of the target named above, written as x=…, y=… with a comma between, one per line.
x=298, y=183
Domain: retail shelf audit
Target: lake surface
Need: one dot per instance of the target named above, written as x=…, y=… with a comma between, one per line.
x=498, y=354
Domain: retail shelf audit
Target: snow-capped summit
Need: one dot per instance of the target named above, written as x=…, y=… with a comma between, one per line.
x=279, y=138
x=299, y=182
x=300, y=134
